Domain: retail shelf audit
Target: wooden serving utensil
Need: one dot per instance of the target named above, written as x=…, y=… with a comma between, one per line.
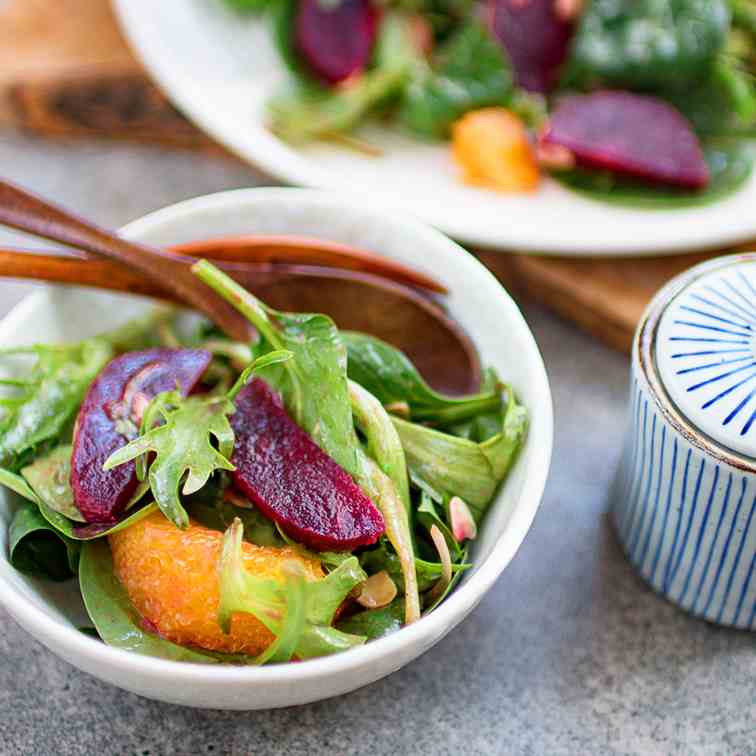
x=27, y=212
x=355, y=300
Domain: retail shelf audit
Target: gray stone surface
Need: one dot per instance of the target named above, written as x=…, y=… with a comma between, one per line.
x=569, y=653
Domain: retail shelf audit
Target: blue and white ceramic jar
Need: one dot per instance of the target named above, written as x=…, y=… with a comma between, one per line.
x=685, y=502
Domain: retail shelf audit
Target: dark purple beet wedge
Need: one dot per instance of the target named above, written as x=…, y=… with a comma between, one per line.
x=293, y=481
x=535, y=38
x=630, y=135
x=109, y=417
x=335, y=40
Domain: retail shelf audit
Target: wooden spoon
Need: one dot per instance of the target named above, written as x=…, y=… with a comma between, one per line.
x=355, y=300
x=26, y=212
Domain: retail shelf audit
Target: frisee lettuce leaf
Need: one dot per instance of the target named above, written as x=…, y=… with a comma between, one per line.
x=186, y=455
x=298, y=612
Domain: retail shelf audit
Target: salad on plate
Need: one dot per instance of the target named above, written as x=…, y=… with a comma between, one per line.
x=648, y=103
x=224, y=502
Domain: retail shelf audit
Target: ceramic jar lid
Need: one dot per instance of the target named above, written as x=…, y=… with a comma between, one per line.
x=705, y=355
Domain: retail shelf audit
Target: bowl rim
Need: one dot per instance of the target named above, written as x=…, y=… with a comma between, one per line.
x=68, y=641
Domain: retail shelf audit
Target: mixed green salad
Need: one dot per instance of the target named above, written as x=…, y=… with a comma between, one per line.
x=246, y=503
x=645, y=102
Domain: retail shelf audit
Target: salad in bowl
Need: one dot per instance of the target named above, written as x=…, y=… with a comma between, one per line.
x=231, y=503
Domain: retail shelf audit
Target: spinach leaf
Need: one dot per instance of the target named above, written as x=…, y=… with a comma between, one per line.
x=730, y=163
x=647, y=44
x=469, y=71
x=113, y=615
x=314, y=383
x=38, y=549
x=48, y=397
x=721, y=104
x=454, y=466
x=390, y=376
x=375, y=623
x=310, y=111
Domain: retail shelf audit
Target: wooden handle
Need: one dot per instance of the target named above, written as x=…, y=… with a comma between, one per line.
x=26, y=212
x=354, y=299
x=305, y=250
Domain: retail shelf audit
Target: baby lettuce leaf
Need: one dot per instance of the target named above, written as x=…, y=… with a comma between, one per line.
x=43, y=402
x=375, y=623
x=113, y=615
x=387, y=483
x=185, y=454
x=314, y=383
x=452, y=466
x=50, y=478
x=730, y=165
x=48, y=397
x=67, y=529
x=310, y=111
x=390, y=376
x=38, y=549
x=469, y=71
x=298, y=612
x=428, y=516
x=647, y=44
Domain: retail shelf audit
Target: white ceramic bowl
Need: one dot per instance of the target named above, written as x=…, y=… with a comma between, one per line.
x=51, y=613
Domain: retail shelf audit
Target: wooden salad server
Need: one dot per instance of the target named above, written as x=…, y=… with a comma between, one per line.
x=363, y=292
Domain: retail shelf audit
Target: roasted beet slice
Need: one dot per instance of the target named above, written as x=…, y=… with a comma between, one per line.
x=109, y=416
x=293, y=481
x=335, y=39
x=536, y=38
x=631, y=135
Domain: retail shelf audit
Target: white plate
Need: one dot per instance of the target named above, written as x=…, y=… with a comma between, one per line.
x=52, y=612
x=219, y=69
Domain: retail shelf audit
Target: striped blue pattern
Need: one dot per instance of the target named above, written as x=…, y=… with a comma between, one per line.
x=686, y=521
x=713, y=342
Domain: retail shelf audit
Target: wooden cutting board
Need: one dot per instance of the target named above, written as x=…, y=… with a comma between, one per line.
x=65, y=71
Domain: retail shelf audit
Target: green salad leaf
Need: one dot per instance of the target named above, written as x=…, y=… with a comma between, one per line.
x=375, y=623
x=390, y=376
x=38, y=549
x=48, y=397
x=381, y=557
x=117, y=621
x=449, y=465
x=184, y=451
x=298, y=612
x=730, y=164
x=647, y=44
x=386, y=481
x=314, y=383
x=310, y=111
x=186, y=455
x=469, y=71
x=50, y=478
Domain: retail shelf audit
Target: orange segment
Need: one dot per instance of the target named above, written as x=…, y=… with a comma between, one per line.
x=171, y=578
x=491, y=145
